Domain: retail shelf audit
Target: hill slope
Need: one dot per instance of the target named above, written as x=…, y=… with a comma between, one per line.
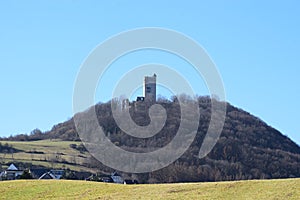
x=263, y=189
x=45, y=153
x=247, y=149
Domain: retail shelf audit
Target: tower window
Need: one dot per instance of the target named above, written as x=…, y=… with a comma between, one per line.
x=148, y=89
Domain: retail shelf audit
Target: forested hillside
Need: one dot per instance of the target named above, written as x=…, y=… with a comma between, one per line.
x=247, y=149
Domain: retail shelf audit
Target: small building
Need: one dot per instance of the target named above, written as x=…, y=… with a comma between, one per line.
x=113, y=178
x=117, y=178
x=11, y=173
x=38, y=172
x=52, y=174
x=47, y=175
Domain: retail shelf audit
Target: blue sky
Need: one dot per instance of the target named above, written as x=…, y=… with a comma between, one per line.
x=255, y=45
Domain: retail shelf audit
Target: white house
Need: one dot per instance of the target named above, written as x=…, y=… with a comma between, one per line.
x=11, y=173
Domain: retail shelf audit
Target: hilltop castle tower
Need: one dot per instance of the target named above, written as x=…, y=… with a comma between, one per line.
x=150, y=88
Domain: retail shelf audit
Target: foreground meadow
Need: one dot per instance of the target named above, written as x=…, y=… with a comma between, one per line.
x=64, y=189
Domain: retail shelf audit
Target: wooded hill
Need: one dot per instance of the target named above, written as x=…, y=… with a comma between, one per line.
x=247, y=149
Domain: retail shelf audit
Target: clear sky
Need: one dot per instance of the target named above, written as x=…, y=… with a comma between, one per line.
x=255, y=45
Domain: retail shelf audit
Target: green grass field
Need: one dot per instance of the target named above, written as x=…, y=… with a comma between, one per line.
x=62, y=189
x=55, y=150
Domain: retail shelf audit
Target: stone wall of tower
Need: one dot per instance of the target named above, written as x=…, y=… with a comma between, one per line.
x=149, y=89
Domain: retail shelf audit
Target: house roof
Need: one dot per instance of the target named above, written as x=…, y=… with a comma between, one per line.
x=37, y=173
x=115, y=174
x=12, y=167
x=48, y=175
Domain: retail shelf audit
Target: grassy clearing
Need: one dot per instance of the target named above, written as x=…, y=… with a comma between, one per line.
x=256, y=189
x=50, y=153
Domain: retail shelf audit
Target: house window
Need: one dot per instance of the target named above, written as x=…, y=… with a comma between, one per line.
x=148, y=89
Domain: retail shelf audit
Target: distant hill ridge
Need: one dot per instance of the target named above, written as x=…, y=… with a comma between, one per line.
x=247, y=149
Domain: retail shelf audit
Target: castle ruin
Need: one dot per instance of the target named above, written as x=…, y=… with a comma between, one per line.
x=149, y=89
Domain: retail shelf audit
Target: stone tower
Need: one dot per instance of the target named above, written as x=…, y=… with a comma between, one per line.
x=150, y=88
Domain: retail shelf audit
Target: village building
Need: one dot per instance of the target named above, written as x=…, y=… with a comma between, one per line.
x=11, y=173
